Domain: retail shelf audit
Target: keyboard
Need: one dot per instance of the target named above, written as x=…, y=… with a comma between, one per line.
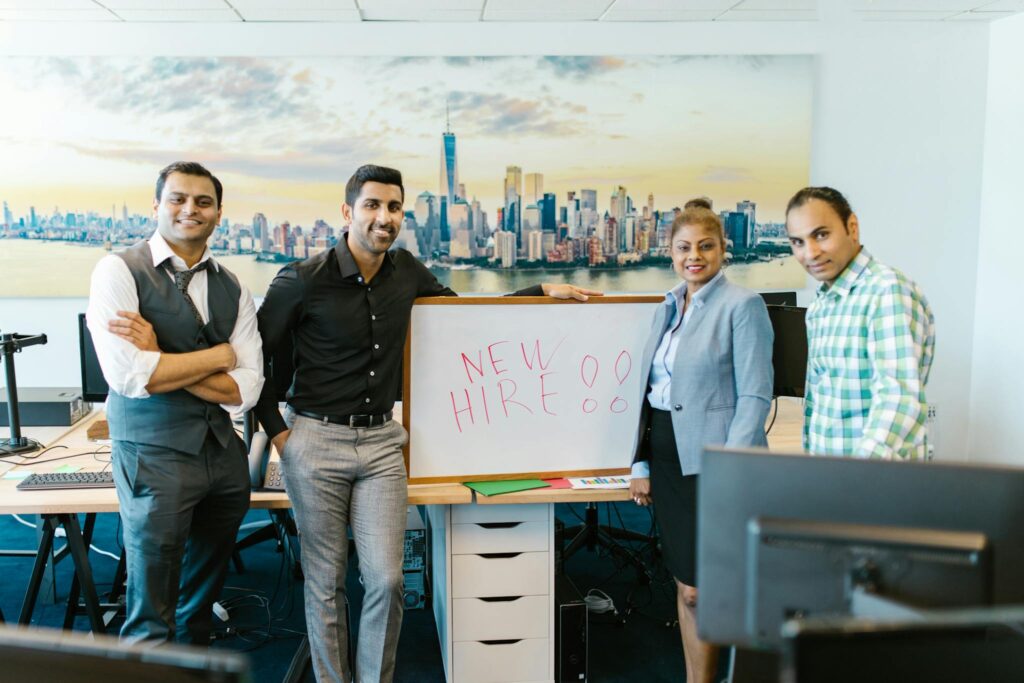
x=67, y=480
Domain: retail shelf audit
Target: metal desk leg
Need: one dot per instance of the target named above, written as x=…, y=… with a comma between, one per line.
x=80, y=556
x=49, y=587
x=47, y=526
x=120, y=574
x=72, y=609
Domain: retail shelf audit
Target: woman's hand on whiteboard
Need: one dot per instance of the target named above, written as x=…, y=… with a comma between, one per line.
x=566, y=291
x=640, y=490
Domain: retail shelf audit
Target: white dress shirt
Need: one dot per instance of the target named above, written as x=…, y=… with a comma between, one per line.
x=127, y=368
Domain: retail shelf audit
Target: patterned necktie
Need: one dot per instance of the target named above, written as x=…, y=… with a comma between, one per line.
x=182, y=279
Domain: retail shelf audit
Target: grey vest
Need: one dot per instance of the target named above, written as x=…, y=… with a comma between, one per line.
x=177, y=419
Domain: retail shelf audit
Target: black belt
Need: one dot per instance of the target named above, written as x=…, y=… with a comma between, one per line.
x=348, y=420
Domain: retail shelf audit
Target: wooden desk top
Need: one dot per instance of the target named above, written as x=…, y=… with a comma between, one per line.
x=91, y=456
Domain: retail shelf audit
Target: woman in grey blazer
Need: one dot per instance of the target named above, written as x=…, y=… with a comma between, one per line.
x=709, y=366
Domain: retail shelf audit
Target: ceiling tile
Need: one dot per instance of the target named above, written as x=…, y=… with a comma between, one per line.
x=905, y=16
x=300, y=15
x=662, y=15
x=558, y=7
x=768, y=15
x=811, y=5
x=980, y=16
x=163, y=4
x=48, y=4
x=1002, y=6
x=553, y=15
x=913, y=5
x=292, y=4
x=94, y=14
x=422, y=5
x=198, y=16
x=674, y=5
x=421, y=15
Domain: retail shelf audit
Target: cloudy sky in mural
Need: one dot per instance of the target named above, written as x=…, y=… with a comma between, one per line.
x=284, y=134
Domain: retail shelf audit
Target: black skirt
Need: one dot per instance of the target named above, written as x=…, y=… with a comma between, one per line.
x=675, y=501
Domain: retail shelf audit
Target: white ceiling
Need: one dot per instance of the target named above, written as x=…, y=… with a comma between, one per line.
x=202, y=11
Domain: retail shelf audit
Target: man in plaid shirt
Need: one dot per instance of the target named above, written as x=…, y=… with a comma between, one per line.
x=870, y=335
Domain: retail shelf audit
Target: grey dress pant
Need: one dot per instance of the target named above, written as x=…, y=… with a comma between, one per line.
x=180, y=513
x=338, y=476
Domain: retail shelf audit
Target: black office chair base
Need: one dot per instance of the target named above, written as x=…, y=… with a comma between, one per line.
x=591, y=534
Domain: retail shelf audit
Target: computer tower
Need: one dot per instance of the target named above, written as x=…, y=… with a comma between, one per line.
x=414, y=593
x=46, y=406
x=414, y=561
x=571, y=633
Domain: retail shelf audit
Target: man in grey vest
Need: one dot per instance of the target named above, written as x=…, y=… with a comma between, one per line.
x=176, y=336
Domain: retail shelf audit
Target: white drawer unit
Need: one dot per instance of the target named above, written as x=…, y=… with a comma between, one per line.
x=500, y=618
x=496, y=576
x=499, y=537
x=503, y=662
x=493, y=588
x=464, y=514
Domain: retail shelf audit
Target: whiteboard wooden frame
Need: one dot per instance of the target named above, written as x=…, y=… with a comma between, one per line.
x=407, y=407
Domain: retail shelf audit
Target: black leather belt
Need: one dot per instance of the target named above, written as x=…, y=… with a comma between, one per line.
x=348, y=420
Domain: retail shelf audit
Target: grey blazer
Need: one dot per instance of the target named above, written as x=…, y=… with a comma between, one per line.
x=722, y=376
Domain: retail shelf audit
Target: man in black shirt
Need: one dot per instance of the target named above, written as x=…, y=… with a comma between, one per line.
x=347, y=310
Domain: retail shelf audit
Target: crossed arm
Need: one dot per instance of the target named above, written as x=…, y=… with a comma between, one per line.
x=201, y=373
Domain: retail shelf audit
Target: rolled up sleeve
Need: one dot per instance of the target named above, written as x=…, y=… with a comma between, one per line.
x=248, y=347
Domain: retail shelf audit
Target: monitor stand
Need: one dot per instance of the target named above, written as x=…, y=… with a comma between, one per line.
x=9, y=345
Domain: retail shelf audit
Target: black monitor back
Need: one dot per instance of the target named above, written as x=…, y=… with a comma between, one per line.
x=976, y=645
x=738, y=487
x=779, y=298
x=94, y=386
x=789, y=355
x=68, y=657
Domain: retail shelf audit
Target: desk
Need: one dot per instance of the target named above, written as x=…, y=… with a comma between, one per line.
x=518, y=527
x=60, y=508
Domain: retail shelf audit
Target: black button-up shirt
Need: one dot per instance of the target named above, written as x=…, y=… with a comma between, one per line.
x=348, y=335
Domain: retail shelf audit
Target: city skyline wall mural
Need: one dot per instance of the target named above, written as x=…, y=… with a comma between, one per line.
x=517, y=170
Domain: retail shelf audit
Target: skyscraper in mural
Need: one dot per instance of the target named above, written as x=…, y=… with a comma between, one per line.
x=450, y=190
x=449, y=164
x=513, y=202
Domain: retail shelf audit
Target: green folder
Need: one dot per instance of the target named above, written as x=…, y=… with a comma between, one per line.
x=494, y=488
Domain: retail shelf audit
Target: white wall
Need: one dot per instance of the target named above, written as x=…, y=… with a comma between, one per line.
x=899, y=128
x=997, y=386
x=899, y=124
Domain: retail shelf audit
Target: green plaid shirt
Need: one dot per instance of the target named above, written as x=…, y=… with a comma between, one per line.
x=871, y=339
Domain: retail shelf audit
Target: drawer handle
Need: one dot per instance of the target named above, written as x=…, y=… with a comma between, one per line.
x=498, y=525
x=498, y=556
x=499, y=642
x=511, y=598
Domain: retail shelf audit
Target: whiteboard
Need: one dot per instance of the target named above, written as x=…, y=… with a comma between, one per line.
x=523, y=386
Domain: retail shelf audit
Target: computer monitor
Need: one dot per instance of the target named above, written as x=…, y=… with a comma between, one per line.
x=783, y=536
x=970, y=645
x=69, y=657
x=789, y=355
x=779, y=298
x=94, y=386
